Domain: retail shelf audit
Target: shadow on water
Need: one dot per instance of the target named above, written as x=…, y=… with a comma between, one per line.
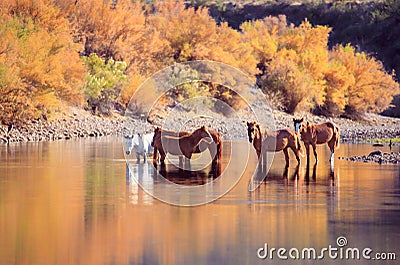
x=147, y=172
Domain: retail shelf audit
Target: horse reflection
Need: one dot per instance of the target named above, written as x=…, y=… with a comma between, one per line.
x=307, y=174
x=262, y=177
x=140, y=174
x=188, y=177
x=314, y=173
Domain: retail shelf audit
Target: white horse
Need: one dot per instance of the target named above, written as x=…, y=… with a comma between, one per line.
x=141, y=143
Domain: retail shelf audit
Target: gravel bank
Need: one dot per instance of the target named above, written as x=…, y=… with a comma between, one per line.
x=78, y=124
x=81, y=124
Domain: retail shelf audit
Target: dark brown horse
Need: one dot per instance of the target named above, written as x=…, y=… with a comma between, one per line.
x=215, y=147
x=274, y=141
x=313, y=134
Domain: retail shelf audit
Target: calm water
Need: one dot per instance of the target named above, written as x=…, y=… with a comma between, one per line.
x=75, y=202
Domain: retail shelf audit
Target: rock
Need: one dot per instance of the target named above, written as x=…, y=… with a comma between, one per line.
x=376, y=153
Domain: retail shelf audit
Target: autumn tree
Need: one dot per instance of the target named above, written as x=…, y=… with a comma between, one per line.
x=365, y=85
x=291, y=60
x=36, y=48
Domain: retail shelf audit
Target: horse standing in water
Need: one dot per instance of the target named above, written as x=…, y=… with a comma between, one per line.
x=140, y=143
x=313, y=134
x=215, y=147
x=183, y=146
x=273, y=141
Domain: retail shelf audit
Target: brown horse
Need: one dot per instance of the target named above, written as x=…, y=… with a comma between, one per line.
x=180, y=144
x=158, y=132
x=274, y=141
x=313, y=134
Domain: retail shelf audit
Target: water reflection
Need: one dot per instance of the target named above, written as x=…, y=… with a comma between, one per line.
x=293, y=174
x=144, y=174
x=77, y=202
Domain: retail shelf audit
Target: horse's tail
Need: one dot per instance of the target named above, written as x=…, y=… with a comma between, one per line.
x=298, y=144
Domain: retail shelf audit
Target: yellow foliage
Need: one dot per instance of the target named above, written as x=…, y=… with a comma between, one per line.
x=36, y=52
x=261, y=36
x=42, y=39
x=366, y=86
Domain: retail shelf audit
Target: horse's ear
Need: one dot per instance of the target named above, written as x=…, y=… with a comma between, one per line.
x=302, y=119
x=294, y=120
x=258, y=126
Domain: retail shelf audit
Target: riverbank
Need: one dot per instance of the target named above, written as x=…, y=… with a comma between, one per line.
x=81, y=124
x=77, y=124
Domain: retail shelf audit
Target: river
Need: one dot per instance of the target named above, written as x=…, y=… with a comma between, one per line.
x=76, y=202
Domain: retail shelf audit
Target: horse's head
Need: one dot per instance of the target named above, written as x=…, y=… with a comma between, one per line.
x=306, y=129
x=204, y=133
x=253, y=129
x=137, y=139
x=298, y=124
x=128, y=144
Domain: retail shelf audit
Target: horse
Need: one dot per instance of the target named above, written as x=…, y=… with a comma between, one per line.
x=141, y=143
x=313, y=134
x=179, y=143
x=216, y=137
x=274, y=141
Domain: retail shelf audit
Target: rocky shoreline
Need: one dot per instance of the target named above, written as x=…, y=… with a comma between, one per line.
x=81, y=124
x=78, y=124
x=377, y=157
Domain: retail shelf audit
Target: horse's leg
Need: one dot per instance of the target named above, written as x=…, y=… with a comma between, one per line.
x=162, y=156
x=296, y=172
x=285, y=151
x=187, y=164
x=296, y=153
x=307, y=146
x=261, y=159
x=219, y=151
x=137, y=157
x=264, y=162
x=285, y=174
x=331, y=145
x=155, y=155
x=145, y=157
x=314, y=146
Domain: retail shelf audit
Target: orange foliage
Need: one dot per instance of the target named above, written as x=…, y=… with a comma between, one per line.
x=37, y=49
x=41, y=37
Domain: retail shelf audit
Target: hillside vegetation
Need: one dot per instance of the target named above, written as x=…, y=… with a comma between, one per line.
x=95, y=53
